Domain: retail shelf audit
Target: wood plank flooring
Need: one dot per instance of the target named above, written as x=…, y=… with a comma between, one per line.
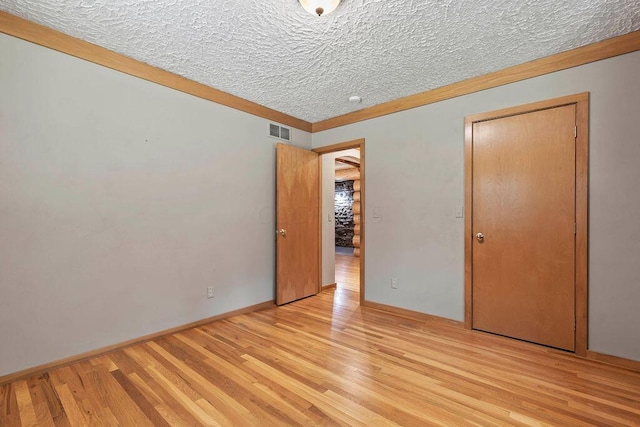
x=347, y=272
x=325, y=360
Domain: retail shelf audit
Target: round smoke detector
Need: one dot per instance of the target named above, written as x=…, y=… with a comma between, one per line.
x=355, y=99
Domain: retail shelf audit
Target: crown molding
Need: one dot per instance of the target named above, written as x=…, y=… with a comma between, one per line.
x=43, y=36
x=572, y=58
x=52, y=39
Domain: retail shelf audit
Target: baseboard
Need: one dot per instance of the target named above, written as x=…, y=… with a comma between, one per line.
x=36, y=370
x=620, y=362
x=327, y=287
x=403, y=312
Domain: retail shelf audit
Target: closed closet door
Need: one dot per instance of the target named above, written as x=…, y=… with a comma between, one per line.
x=523, y=225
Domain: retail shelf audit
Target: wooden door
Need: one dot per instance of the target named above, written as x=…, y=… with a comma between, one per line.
x=298, y=226
x=523, y=203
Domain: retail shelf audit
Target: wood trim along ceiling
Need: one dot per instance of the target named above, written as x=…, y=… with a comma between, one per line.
x=52, y=39
x=348, y=162
x=36, y=370
x=43, y=36
x=572, y=58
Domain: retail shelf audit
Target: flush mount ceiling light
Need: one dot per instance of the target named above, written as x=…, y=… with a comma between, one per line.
x=319, y=7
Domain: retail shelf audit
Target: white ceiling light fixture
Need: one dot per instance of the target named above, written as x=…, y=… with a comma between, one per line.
x=319, y=7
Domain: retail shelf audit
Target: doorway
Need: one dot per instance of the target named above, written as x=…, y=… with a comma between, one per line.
x=526, y=225
x=347, y=219
x=342, y=218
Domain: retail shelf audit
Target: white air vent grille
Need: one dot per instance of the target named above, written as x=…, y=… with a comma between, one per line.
x=279, y=132
x=285, y=134
x=274, y=130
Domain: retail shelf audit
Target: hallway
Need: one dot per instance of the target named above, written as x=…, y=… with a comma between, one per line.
x=348, y=272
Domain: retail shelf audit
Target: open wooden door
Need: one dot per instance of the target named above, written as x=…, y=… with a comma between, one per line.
x=297, y=221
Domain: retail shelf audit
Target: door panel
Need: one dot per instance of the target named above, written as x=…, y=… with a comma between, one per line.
x=523, y=196
x=298, y=197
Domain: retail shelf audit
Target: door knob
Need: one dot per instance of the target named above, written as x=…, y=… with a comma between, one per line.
x=480, y=237
x=282, y=232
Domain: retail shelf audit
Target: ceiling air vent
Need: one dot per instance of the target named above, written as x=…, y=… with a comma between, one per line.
x=280, y=132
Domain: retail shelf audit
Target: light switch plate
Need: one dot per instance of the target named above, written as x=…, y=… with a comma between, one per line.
x=459, y=211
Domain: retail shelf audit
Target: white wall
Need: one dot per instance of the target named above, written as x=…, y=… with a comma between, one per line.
x=120, y=202
x=415, y=171
x=328, y=213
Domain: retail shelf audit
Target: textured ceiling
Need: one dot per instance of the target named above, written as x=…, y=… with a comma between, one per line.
x=276, y=54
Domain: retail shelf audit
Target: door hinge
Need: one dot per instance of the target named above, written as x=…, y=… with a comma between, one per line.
x=574, y=323
x=575, y=228
x=575, y=131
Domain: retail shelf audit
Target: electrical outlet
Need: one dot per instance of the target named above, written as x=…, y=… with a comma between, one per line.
x=394, y=283
x=210, y=292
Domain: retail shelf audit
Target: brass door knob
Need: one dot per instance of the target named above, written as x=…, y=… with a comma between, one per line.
x=282, y=232
x=480, y=237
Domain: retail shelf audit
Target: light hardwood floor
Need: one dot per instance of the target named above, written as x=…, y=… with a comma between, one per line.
x=325, y=360
x=347, y=272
